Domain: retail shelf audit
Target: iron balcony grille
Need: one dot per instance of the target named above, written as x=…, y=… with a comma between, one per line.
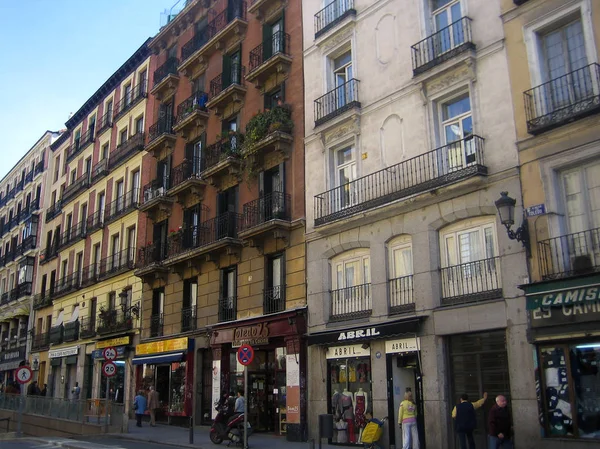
x=87, y=327
x=164, y=125
x=196, y=101
x=123, y=205
x=125, y=150
x=188, y=169
x=49, y=253
x=73, y=234
x=39, y=168
x=112, y=321
x=20, y=185
x=116, y=263
x=33, y=207
x=53, y=211
x=401, y=294
x=131, y=99
x=278, y=44
x=445, y=165
x=96, y=220
x=19, y=291
x=333, y=14
x=29, y=177
x=42, y=300
x=219, y=83
x=194, y=44
x=27, y=244
x=100, y=170
x=336, y=101
x=41, y=340
x=67, y=284
x=23, y=332
x=471, y=282
x=570, y=254
x=273, y=206
x=79, y=145
x=156, y=325
x=168, y=68
x=188, y=319
x=151, y=254
x=225, y=17
x=156, y=189
x=230, y=146
x=90, y=274
x=106, y=121
x=563, y=99
x=81, y=184
x=56, y=334
x=351, y=302
x=274, y=299
x=441, y=46
x=227, y=308
x=71, y=331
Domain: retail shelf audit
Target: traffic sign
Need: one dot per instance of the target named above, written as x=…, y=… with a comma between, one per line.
x=245, y=355
x=109, y=369
x=109, y=353
x=24, y=374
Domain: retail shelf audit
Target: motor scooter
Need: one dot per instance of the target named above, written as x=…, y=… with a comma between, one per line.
x=227, y=426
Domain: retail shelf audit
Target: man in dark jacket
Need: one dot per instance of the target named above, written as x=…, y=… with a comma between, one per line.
x=466, y=422
x=499, y=425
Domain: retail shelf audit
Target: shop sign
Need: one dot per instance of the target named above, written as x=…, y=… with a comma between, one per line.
x=403, y=345
x=14, y=354
x=340, y=352
x=359, y=333
x=9, y=366
x=292, y=403
x=175, y=344
x=566, y=314
x=98, y=353
x=64, y=352
x=564, y=297
x=390, y=329
x=251, y=335
x=121, y=341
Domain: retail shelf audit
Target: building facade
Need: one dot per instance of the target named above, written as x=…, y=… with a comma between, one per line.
x=21, y=202
x=411, y=277
x=222, y=235
x=87, y=296
x=552, y=49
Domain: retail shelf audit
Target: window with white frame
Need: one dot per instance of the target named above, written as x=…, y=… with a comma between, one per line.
x=400, y=272
x=445, y=16
x=469, y=258
x=342, y=74
x=351, y=283
x=456, y=120
x=344, y=163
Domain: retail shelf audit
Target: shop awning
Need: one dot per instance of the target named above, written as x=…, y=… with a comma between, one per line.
x=158, y=358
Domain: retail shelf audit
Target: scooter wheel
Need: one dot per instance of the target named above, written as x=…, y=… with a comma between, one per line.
x=215, y=438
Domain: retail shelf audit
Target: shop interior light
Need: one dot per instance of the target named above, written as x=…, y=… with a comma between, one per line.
x=589, y=346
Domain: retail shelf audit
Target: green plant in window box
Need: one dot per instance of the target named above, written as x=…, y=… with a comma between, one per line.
x=265, y=123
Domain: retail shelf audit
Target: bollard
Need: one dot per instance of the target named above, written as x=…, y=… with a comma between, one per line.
x=192, y=429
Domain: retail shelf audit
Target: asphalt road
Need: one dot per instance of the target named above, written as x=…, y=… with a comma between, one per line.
x=97, y=444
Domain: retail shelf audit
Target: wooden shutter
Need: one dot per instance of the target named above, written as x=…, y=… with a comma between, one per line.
x=267, y=41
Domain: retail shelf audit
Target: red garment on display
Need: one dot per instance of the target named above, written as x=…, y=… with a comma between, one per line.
x=359, y=411
x=351, y=434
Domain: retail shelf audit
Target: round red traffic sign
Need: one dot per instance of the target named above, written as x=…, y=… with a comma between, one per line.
x=109, y=353
x=24, y=374
x=109, y=369
x=245, y=355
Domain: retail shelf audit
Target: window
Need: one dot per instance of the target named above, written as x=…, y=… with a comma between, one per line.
x=109, y=108
x=232, y=69
x=351, y=283
x=63, y=271
x=227, y=300
x=193, y=153
x=273, y=40
x=582, y=197
x=401, y=272
x=274, y=296
x=69, y=225
x=135, y=187
x=83, y=218
x=342, y=73
x=101, y=208
x=114, y=247
x=123, y=136
x=275, y=97
x=446, y=17
x=112, y=301
x=142, y=81
x=120, y=195
x=345, y=171
x=139, y=125
x=92, y=125
x=96, y=266
x=198, y=84
x=131, y=244
x=158, y=305
x=73, y=176
x=190, y=300
x=457, y=133
x=88, y=166
x=77, y=138
x=104, y=152
x=127, y=94
x=79, y=268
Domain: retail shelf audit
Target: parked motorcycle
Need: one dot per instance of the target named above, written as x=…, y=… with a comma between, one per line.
x=228, y=426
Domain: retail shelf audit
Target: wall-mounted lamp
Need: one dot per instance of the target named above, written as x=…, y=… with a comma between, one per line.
x=62, y=379
x=365, y=346
x=35, y=365
x=134, y=309
x=506, y=211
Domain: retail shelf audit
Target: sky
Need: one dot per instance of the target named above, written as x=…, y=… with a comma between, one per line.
x=55, y=54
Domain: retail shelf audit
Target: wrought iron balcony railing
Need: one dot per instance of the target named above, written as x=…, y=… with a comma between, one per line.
x=401, y=294
x=79, y=145
x=278, y=44
x=333, y=14
x=106, y=121
x=164, y=125
x=194, y=44
x=156, y=325
x=153, y=253
x=112, y=321
x=274, y=299
x=130, y=99
x=228, y=15
x=87, y=327
x=563, y=99
x=80, y=184
x=570, y=255
x=445, y=165
x=117, y=263
x=227, y=308
x=126, y=150
x=20, y=291
x=196, y=101
x=73, y=234
x=100, y=170
x=53, y=211
x=168, y=68
x=29, y=177
x=42, y=300
x=39, y=168
x=351, y=302
x=188, y=169
x=222, y=81
x=67, y=284
x=336, y=101
x=156, y=189
x=229, y=146
x=442, y=45
x=96, y=220
x=56, y=334
x=71, y=331
x=471, y=282
x=123, y=205
x=40, y=341
x=188, y=319
x=273, y=206
x=27, y=244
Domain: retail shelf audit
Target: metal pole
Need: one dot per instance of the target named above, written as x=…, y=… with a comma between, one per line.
x=20, y=420
x=245, y=407
x=106, y=408
x=192, y=429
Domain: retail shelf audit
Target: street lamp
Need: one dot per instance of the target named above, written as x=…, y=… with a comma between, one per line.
x=506, y=211
x=134, y=309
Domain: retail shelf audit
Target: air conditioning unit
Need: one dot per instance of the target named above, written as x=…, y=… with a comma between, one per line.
x=148, y=195
x=582, y=264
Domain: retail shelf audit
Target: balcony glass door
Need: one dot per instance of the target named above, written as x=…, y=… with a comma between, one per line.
x=446, y=20
x=115, y=252
x=120, y=193
x=345, y=173
x=457, y=124
x=351, y=286
x=342, y=72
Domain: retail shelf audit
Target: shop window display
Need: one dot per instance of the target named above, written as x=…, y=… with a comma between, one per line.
x=351, y=398
x=169, y=381
x=571, y=386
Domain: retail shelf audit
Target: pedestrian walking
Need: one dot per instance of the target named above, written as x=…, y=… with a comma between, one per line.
x=499, y=426
x=407, y=420
x=75, y=392
x=152, y=405
x=44, y=391
x=466, y=420
x=32, y=389
x=139, y=405
x=239, y=402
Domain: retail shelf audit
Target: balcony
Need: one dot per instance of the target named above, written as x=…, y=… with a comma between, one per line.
x=274, y=300
x=100, y=170
x=150, y=259
x=42, y=300
x=161, y=137
x=337, y=101
x=401, y=293
x=126, y=150
x=130, y=99
x=268, y=137
x=271, y=58
x=90, y=274
x=155, y=199
x=166, y=80
x=227, y=309
x=265, y=9
x=268, y=216
x=105, y=122
x=87, y=327
x=53, y=211
x=122, y=205
x=192, y=115
x=222, y=32
x=115, y=264
x=41, y=341
x=351, y=303
x=56, y=335
x=188, y=319
x=222, y=158
x=570, y=255
x=39, y=168
x=95, y=221
x=113, y=322
x=563, y=100
x=72, y=235
x=29, y=177
x=18, y=292
x=28, y=244
x=79, y=145
x=156, y=325
x=227, y=90
x=80, y=185
x=471, y=282
x=49, y=253
x=441, y=46
x=333, y=14
x=186, y=181
x=71, y=331
x=33, y=207
x=446, y=165
x=67, y=284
